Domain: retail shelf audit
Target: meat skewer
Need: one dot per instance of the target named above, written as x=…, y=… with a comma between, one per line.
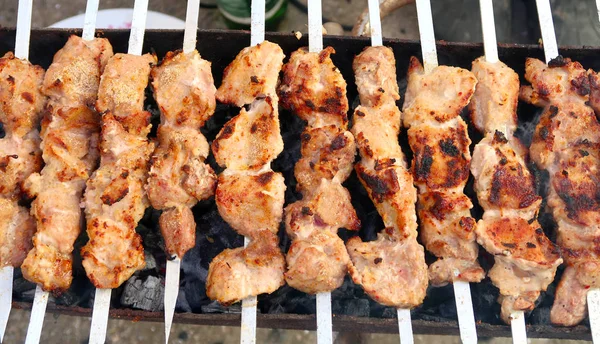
x=70, y=133
x=20, y=154
x=438, y=137
x=315, y=90
x=115, y=197
x=391, y=269
x=525, y=259
x=565, y=143
x=250, y=195
x=185, y=92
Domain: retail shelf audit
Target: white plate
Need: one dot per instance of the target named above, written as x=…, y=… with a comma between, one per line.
x=120, y=18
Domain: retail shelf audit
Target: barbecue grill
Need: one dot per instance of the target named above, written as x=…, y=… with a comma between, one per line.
x=353, y=310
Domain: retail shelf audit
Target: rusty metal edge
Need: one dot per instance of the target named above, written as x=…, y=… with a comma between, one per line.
x=341, y=323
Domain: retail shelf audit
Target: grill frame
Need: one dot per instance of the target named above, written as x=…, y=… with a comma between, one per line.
x=45, y=42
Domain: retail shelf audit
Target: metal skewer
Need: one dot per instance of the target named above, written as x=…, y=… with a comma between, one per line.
x=21, y=52
x=174, y=265
x=517, y=322
x=462, y=290
x=550, y=52
x=102, y=298
x=315, y=45
x=404, y=319
x=40, y=301
x=257, y=36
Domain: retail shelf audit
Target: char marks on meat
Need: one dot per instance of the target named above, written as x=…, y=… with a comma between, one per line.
x=314, y=89
x=566, y=143
x=525, y=259
x=249, y=194
x=21, y=107
x=70, y=138
x=439, y=140
x=179, y=178
x=391, y=269
x=115, y=197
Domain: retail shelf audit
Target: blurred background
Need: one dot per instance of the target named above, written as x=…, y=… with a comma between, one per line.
x=576, y=24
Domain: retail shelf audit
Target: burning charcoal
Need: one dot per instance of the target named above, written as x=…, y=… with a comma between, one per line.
x=389, y=313
x=191, y=264
x=69, y=298
x=21, y=285
x=182, y=305
x=448, y=309
x=194, y=291
x=216, y=307
x=150, y=261
x=540, y=315
x=145, y=294
x=354, y=307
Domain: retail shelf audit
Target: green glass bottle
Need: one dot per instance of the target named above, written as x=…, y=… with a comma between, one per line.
x=237, y=13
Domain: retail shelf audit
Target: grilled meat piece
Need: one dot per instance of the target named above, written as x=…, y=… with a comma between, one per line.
x=253, y=74
x=21, y=105
x=251, y=202
x=314, y=89
x=391, y=269
x=440, y=143
x=251, y=139
x=246, y=271
x=73, y=76
x=70, y=135
x=312, y=84
x=525, y=259
x=179, y=178
x=249, y=194
x=566, y=143
x=17, y=228
x=115, y=197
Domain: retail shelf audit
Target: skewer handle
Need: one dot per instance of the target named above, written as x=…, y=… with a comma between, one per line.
x=6, y=287
x=38, y=311
x=517, y=325
x=100, y=316
x=23, y=29
x=89, y=21
x=464, y=309
x=375, y=23
x=257, y=22
x=191, y=26
x=138, y=26
x=405, y=326
x=547, y=28
x=593, y=299
x=324, y=333
x=315, y=26
x=427, y=35
x=488, y=27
